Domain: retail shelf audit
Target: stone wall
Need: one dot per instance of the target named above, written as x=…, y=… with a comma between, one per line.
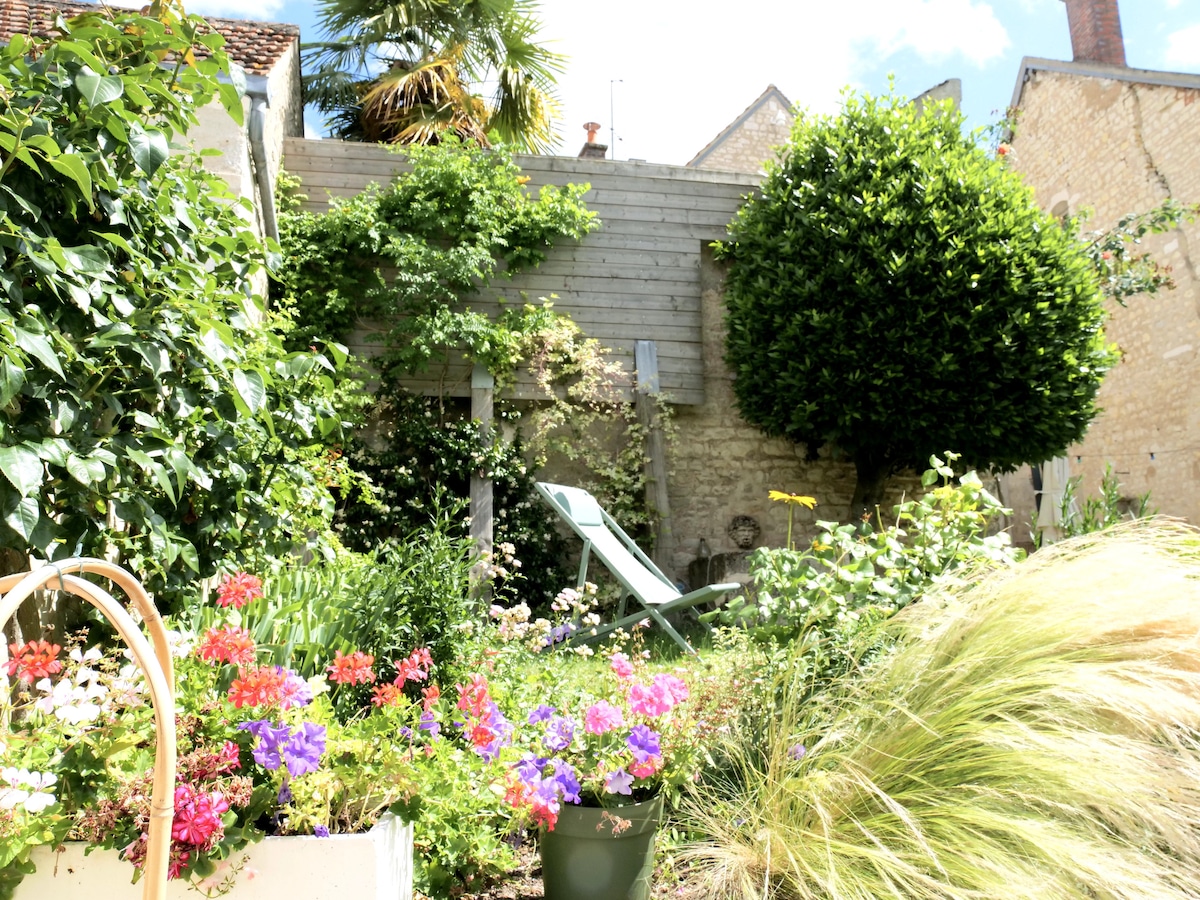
x=1119, y=140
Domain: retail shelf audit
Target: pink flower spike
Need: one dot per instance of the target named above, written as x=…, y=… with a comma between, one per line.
x=602, y=717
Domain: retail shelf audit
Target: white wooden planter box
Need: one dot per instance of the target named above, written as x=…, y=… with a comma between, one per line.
x=376, y=865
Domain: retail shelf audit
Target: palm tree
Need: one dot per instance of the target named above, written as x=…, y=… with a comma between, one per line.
x=407, y=71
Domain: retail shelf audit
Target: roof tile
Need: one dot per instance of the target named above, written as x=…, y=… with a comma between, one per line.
x=255, y=46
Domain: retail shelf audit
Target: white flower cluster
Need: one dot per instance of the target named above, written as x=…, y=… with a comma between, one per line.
x=499, y=564
x=81, y=697
x=27, y=789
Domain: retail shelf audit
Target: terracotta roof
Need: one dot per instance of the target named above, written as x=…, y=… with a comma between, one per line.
x=255, y=46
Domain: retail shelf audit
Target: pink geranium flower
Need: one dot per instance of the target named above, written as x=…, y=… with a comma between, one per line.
x=602, y=717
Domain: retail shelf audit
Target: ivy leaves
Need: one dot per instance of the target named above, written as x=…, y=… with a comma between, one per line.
x=408, y=253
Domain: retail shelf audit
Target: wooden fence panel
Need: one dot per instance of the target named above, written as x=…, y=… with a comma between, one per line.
x=637, y=278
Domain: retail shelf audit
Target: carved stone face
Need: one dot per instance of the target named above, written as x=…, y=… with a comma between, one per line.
x=743, y=531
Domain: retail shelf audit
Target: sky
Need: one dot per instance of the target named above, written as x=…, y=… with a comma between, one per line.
x=664, y=77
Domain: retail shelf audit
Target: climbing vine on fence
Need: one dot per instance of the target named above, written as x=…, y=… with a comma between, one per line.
x=412, y=254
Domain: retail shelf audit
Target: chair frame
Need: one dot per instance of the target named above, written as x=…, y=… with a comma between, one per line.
x=656, y=611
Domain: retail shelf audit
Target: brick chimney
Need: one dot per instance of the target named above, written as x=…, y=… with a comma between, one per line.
x=1096, y=31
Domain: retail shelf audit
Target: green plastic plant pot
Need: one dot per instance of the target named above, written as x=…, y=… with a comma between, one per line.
x=601, y=854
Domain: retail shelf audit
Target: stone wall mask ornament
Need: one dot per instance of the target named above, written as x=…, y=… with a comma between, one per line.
x=743, y=531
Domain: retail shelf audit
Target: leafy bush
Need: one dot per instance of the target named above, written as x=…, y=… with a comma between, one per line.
x=1033, y=735
x=147, y=407
x=828, y=598
x=889, y=262
x=429, y=453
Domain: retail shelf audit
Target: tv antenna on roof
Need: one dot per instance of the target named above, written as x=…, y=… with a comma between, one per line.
x=612, y=123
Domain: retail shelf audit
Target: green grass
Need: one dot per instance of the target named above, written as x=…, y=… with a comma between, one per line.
x=1032, y=736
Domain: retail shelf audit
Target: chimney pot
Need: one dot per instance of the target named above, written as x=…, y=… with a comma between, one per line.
x=1096, y=31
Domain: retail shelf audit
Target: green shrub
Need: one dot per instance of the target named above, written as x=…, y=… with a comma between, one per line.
x=827, y=598
x=429, y=451
x=1032, y=735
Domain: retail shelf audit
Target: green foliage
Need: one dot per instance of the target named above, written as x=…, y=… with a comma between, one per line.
x=1032, y=735
x=427, y=453
x=449, y=225
x=1125, y=272
x=1110, y=508
x=826, y=600
x=146, y=406
x=893, y=291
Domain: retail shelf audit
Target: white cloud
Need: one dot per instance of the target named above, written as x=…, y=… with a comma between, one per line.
x=1183, y=48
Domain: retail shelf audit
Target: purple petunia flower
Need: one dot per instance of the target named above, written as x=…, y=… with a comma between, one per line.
x=618, y=782
x=567, y=781
x=302, y=754
x=541, y=714
x=320, y=831
x=270, y=739
x=559, y=733
x=643, y=741
x=796, y=751
x=530, y=767
x=285, y=793
x=405, y=732
x=430, y=724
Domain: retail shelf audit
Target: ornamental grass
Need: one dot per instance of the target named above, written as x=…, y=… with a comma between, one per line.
x=1032, y=735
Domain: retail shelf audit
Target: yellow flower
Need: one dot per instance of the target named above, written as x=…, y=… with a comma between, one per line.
x=798, y=499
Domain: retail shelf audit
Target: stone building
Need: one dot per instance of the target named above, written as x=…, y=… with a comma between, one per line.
x=1094, y=134
x=750, y=140
x=251, y=153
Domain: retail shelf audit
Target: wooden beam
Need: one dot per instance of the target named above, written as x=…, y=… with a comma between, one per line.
x=483, y=387
x=646, y=397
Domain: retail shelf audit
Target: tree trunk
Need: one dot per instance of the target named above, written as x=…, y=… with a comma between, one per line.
x=871, y=480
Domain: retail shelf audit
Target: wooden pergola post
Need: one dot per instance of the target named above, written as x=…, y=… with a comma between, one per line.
x=483, y=387
x=646, y=397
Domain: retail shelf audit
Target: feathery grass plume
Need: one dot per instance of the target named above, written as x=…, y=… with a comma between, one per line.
x=1034, y=735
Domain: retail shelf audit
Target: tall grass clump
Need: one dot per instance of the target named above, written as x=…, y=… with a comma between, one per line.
x=1033, y=735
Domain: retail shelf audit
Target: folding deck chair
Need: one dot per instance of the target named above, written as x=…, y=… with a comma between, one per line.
x=641, y=579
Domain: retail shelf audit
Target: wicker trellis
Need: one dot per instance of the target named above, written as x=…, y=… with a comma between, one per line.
x=155, y=662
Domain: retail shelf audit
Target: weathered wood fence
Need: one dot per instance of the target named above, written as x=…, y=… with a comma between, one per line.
x=637, y=278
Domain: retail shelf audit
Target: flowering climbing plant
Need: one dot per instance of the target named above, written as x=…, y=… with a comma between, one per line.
x=261, y=749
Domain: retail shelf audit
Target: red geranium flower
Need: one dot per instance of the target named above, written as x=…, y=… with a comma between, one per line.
x=352, y=669
x=227, y=645
x=386, y=695
x=239, y=589
x=34, y=660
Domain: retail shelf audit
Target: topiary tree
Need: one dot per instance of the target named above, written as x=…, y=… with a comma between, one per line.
x=895, y=291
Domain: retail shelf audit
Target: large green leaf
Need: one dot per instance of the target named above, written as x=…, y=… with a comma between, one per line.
x=86, y=471
x=39, y=347
x=251, y=389
x=23, y=517
x=149, y=148
x=73, y=166
x=12, y=377
x=23, y=468
x=98, y=89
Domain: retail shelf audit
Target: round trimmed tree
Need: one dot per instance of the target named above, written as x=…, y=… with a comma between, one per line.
x=895, y=292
